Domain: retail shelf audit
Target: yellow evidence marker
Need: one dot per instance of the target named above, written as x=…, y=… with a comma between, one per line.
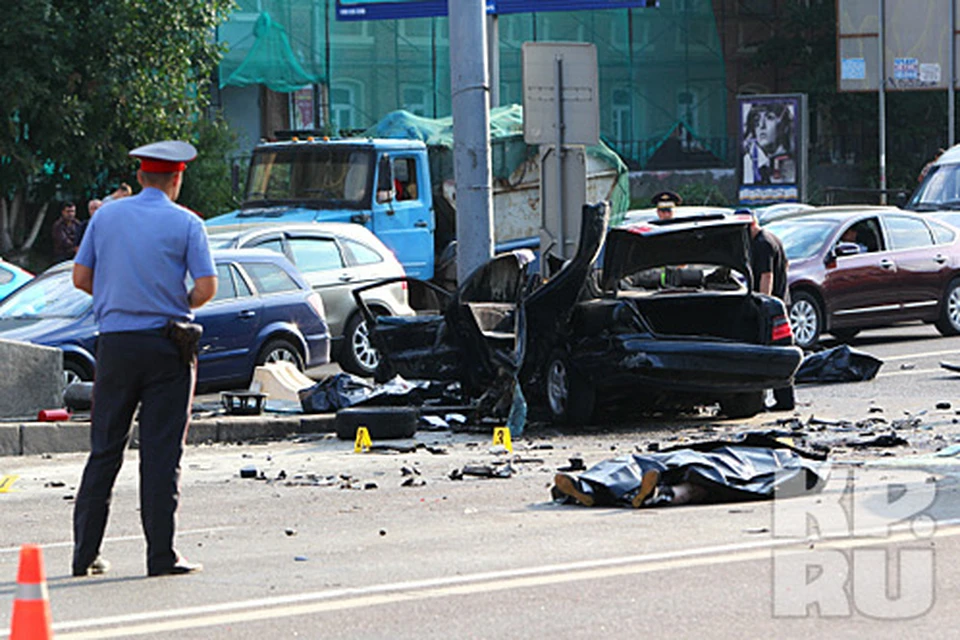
x=6, y=482
x=501, y=436
x=363, y=441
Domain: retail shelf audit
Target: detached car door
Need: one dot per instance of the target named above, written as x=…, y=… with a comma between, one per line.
x=230, y=323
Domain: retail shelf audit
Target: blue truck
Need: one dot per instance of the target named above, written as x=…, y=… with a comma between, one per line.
x=399, y=183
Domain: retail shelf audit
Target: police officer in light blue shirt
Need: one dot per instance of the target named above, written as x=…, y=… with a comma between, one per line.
x=134, y=259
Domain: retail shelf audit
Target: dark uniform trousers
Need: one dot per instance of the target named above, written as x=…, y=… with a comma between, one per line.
x=135, y=367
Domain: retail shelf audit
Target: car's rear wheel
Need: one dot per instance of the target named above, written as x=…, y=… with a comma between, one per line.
x=742, y=405
x=948, y=323
x=806, y=319
x=358, y=355
x=75, y=372
x=280, y=350
x=570, y=397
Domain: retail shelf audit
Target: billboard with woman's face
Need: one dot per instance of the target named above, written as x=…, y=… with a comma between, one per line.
x=772, y=161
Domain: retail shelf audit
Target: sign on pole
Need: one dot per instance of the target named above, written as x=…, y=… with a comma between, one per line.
x=917, y=45
x=579, y=91
x=394, y=9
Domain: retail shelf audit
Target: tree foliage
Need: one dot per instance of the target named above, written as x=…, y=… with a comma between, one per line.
x=84, y=82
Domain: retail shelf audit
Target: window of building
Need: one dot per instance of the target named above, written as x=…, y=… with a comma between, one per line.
x=350, y=32
x=344, y=102
x=622, y=121
x=413, y=99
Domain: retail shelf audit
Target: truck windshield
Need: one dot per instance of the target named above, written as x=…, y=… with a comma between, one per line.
x=940, y=190
x=336, y=176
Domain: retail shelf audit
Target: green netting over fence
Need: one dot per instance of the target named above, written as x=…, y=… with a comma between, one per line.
x=661, y=71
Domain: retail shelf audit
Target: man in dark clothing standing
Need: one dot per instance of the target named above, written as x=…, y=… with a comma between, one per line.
x=768, y=261
x=134, y=260
x=66, y=233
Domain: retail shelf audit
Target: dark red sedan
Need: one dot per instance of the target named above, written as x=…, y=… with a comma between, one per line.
x=857, y=268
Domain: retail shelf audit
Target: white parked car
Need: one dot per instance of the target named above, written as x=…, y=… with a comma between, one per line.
x=334, y=258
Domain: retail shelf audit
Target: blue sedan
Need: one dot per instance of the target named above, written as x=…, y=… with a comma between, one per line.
x=264, y=311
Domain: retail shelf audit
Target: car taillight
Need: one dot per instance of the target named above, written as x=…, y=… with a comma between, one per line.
x=403, y=285
x=317, y=303
x=781, y=329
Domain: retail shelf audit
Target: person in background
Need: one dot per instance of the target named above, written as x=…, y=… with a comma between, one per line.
x=122, y=191
x=66, y=233
x=134, y=261
x=92, y=207
x=768, y=261
x=665, y=201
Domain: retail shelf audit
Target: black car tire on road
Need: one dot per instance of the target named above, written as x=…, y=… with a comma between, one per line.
x=742, y=405
x=383, y=423
x=948, y=323
x=75, y=372
x=570, y=397
x=280, y=350
x=806, y=319
x=357, y=355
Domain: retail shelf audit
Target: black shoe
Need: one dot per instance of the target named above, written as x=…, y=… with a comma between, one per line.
x=180, y=567
x=98, y=567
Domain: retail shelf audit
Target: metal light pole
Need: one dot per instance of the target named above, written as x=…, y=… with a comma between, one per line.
x=471, y=134
x=882, y=106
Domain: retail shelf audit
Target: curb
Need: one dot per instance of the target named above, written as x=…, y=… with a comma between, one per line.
x=37, y=438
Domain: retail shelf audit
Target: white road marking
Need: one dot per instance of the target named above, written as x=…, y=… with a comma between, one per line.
x=929, y=354
x=350, y=598
x=56, y=545
x=908, y=372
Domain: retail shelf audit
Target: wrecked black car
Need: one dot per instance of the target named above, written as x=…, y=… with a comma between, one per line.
x=589, y=338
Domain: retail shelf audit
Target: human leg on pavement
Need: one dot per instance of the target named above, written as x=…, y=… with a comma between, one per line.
x=164, y=415
x=115, y=397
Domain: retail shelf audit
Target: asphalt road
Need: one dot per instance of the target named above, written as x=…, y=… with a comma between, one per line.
x=340, y=548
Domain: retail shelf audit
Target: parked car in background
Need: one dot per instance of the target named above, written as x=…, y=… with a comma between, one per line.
x=264, y=311
x=853, y=268
x=334, y=258
x=771, y=212
x=585, y=344
x=12, y=278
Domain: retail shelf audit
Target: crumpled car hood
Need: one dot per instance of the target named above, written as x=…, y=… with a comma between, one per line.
x=714, y=240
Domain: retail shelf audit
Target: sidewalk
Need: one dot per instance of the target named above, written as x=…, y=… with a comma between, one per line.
x=35, y=438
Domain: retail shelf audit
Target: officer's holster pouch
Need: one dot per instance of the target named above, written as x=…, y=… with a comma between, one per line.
x=186, y=335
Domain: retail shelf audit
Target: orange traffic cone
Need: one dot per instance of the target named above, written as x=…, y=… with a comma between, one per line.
x=31, y=604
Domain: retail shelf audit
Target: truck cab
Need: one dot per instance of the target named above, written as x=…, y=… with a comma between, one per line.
x=382, y=184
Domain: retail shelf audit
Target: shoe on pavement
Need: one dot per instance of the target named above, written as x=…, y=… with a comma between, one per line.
x=98, y=567
x=568, y=486
x=180, y=567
